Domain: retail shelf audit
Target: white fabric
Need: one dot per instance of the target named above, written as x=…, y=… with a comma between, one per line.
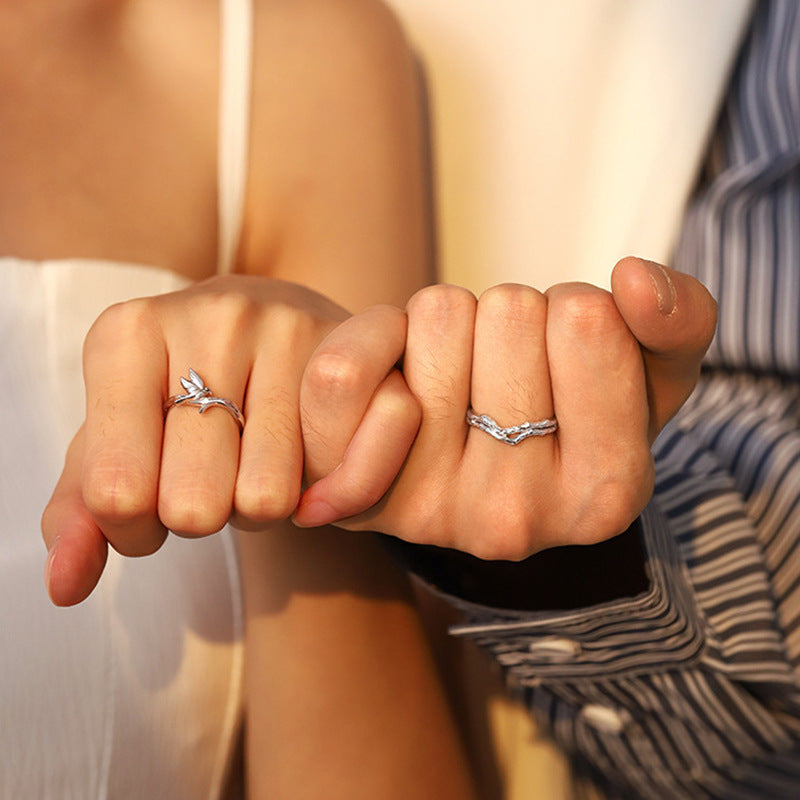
x=567, y=134
x=135, y=693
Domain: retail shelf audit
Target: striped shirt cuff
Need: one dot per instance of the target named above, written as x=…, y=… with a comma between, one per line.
x=652, y=631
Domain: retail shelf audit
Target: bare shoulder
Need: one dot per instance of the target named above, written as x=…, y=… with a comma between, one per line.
x=335, y=100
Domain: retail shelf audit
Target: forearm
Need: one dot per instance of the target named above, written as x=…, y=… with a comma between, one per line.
x=338, y=197
x=343, y=698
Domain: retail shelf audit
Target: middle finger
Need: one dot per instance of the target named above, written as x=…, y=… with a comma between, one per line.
x=200, y=454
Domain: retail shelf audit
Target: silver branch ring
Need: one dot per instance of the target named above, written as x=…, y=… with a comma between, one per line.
x=198, y=394
x=516, y=433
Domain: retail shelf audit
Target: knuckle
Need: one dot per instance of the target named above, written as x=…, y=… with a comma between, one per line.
x=591, y=313
x=387, y=312
x=234, y=314
x=333, y=375
x=632, y=495
x=285, y=323
x=118, y=491
x=620, y=499
x=514, y=302
x=384, y=323
x=233, y=305
x=507, y=529
x=441, y=301
x=136, y=548
x=501, y=544
x=130, y=319
x=200, y=510
x=263, y=502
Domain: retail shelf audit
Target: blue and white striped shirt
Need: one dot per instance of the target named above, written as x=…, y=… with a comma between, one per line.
x=691, y=689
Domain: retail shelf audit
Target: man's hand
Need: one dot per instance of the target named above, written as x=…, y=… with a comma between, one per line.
x=612, y=368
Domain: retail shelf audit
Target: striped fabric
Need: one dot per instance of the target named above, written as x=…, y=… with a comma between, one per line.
x=692, y=690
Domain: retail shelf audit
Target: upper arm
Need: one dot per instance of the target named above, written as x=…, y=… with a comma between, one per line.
x=337, y=195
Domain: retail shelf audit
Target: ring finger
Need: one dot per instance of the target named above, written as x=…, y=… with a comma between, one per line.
x=201, y=443
x=510, y=379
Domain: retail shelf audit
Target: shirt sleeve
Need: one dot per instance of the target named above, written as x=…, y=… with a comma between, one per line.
x=691, y=685
x=690, y=688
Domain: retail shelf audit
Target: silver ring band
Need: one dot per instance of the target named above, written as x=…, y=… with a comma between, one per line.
x=198, y=394
x=516, y=433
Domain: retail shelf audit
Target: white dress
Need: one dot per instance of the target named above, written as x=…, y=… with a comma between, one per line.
x=135, y=693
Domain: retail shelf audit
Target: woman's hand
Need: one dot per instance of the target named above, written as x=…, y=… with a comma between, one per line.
x=611, y=368
x=133, y=472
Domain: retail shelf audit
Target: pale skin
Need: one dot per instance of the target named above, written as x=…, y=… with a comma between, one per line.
x=119, y=163
x=443, y=494
x=345, y=195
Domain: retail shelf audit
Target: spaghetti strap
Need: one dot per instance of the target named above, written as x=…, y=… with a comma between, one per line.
x=236, y=46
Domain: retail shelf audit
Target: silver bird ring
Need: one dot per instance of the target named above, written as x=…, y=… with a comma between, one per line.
x=198, y=394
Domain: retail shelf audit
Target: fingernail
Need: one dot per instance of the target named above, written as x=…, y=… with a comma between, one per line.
x=666, y=297
x=48, y=565
x=314, y=514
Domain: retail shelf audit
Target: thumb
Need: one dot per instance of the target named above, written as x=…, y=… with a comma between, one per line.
x=76, y=547
x=673, y=317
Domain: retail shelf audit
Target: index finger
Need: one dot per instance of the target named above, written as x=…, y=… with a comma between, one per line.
x=340, y=379
x=125, y=368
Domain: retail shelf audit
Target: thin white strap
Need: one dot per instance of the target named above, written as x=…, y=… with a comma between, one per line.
x=236, y=47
